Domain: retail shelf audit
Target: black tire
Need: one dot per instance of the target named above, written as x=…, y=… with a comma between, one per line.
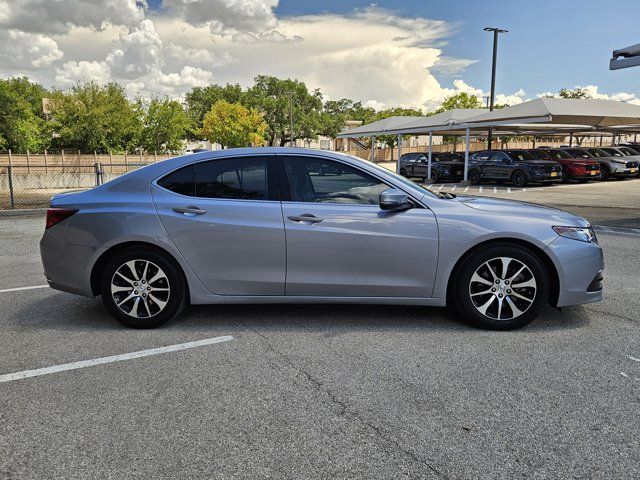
x=462, y=285
x=403, y=172
x=519, y=178
x=605, y=173
x=474, y=176
x=176, y=296
x=435, y=176
x=565, y=175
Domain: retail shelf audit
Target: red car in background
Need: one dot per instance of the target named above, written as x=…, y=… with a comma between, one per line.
x=580, y=169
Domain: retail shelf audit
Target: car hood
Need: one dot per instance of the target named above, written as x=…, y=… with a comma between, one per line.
x=523, y=210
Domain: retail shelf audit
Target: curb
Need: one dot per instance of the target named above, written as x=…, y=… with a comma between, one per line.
x=23, y=212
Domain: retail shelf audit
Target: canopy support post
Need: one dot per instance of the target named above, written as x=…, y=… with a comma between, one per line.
x=571, y=139
x=429, y=180
x=466, y=158
x=373, y=143
x=399, y=153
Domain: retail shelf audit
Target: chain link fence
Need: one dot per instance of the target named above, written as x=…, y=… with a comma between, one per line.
x=32, y=186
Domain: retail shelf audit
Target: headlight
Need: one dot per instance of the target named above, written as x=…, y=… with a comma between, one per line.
x=620, y=161
x=583, y=234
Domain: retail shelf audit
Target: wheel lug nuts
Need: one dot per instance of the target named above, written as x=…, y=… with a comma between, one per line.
x=497, y=281
x=493, y=289
x=506, y=282
x=135, y=284
x=144, y=294
x=148, y=288
x=500, y=295
x=508, y=291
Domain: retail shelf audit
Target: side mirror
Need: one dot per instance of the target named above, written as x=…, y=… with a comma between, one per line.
x=394, y=200
x=506, y=160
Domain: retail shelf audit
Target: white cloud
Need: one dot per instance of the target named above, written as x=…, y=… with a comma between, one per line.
x=245, y=19
x=59, y=16
x=82, y=71
x=20, y=51
x=138, y=52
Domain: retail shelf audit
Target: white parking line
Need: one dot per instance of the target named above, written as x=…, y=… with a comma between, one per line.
x=453, y=188
x=114, y=358
x=495, y=190
x=508, y=189
x=466, y=189
x=18, y=289
x=480, y=189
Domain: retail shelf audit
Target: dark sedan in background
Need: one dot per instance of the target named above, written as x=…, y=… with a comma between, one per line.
x=580, y=169
x=517, y=166
x=444, y=166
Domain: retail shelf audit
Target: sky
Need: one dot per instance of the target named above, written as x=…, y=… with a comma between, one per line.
x=406, y=53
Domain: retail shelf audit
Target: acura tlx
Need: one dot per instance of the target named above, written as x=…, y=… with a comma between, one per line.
x=287, y=225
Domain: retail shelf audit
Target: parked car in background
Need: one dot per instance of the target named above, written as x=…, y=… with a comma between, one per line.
x=517, y=166
x=631, y=153
x=260, y=225
x=580, y=169
x=610, y=166
x=444, y=166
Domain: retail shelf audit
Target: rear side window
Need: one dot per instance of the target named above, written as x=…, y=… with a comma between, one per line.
x=244, y=178
x=181, y=181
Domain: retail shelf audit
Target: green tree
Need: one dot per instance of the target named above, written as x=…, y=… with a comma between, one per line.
x=577, y=92
x=391, y=141
x=233, y=125
x=459, y=100
x=200, y=100
x=278, y=100
x=93, y=117
x=22, y=123
x=164, y=125
x=336, y=112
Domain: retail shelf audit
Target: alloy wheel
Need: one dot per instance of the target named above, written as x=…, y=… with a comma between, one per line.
x=502, y=288
x=140, y=288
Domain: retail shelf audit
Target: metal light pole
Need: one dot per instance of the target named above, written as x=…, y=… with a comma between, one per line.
x=496, y=31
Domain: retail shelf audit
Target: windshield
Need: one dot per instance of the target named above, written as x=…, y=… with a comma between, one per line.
x=521, y=155
x=597, y=152
x=557, y=154
x=627, y=151
x=612, y=152
x=541, y=154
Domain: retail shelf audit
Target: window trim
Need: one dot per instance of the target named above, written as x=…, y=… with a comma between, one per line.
x=273, y=186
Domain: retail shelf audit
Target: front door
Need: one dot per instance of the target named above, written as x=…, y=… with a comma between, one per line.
x=341, y=244
x=225, y=218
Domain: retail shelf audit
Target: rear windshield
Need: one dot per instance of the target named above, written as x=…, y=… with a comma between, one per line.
x=597, y=152
x=521, y=155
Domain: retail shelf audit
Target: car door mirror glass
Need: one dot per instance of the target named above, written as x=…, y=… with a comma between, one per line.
x=394, y=199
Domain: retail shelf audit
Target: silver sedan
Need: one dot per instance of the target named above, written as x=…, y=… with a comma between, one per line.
x=270, y=225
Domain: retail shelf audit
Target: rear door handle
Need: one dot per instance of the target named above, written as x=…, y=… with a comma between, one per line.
x=190, y=211
x=305, y=217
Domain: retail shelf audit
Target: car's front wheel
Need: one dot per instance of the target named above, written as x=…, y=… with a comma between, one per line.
x=142, y=287
x=501, y=287
x=474, y=177
x=519, y=178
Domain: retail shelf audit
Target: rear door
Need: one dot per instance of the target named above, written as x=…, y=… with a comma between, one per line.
x=341, y=244
x=224, y=216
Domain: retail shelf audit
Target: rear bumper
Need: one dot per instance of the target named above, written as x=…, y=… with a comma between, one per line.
x=580, y=266
x=67, y=267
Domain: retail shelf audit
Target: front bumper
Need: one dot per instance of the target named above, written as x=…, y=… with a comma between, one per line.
x=546, y=177
x=578, y=264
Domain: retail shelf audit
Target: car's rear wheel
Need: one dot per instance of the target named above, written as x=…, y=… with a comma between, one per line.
x=605, y=173
x=403, y=172
x=501, y=287
x=435, y=176
x=474, y=176
x=142, y=287
x=519, y=178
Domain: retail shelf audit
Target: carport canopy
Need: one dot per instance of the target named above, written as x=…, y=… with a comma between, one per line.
x=542, y=116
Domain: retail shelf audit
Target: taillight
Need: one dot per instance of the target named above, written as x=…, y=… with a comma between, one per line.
x=56, y=215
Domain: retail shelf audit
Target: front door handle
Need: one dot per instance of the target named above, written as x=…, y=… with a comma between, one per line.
x=305, y=217
x=190, y=211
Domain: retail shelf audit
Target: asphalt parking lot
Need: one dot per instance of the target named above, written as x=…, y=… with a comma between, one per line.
x=318, y=391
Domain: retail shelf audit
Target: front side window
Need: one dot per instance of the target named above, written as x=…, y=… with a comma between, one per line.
x=521, y=155
x=500, y=156
x=309, y=182
x=242, y=178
